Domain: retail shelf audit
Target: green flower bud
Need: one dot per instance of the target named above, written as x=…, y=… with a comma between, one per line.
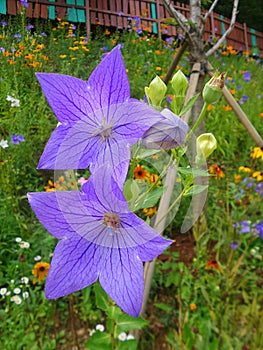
x=213, y=88
x=156, y=91
x=179, y=83
x=205, y=146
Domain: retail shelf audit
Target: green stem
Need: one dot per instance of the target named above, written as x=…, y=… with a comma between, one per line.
x=199, y=119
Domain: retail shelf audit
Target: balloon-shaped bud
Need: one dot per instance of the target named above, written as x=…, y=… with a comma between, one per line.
x=156, y=91
x=205, y=146
x=167, y=133
x=179, y=83
x=213, y=88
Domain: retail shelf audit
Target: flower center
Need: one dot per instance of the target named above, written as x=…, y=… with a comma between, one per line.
x=104, y=130
x=112, y=221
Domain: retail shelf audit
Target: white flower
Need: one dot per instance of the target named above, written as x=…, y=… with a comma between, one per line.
x=8, y=293
x=130, y=337
x=4, y=143
x=3, y=291
x=24, y=245
x=37, y=258
x=92, y=332
x=18, y=239
x=25, y=295
x=16, y=299
x=122, y=336
x=24, y=280
x=17, y=290
x=14, y=101
x=100, y=327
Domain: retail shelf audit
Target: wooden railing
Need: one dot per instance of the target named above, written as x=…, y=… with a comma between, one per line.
x=120, y=13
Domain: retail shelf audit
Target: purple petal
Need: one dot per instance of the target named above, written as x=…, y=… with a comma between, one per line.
x=109, y=82
x=122, y=278
x=75, y=265
x=132, y=120
x=153, y=248
x=70, y=98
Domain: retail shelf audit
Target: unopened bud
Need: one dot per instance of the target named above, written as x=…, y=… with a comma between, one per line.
x=213, y=88
x=179, y=84
x=167, y=133
x=205, y=146
x=156, y=91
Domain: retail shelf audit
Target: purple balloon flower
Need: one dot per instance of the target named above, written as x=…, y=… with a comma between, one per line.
x=247, y=76
x=167, y=133
x=99, y=239
x=98, y=119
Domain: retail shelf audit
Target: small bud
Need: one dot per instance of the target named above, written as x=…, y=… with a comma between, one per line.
x=179, y=85
x=168, y=133
x=155, y=92
x=213, y=88
x=205, y=146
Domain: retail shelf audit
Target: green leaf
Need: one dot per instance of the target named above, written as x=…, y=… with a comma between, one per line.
x=125, y=323
x=131, y=190
x=163, y=306
x=195, y=189
x=101, y=297
x=150, y=199
x=189, y=104
x=99, y=341
x=127, y=345
x=193, y=172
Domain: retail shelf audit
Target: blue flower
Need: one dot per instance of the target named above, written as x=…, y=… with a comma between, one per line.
x=16, y=139
x=247, y=76
x=99, y=122
x=24, y=3
x=259, y=228
x=99, y=239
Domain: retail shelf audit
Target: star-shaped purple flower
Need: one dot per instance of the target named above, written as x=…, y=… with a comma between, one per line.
x=99, y=239
x=98, y=119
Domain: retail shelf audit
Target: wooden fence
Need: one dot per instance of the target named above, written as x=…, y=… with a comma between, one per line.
x=120, y=13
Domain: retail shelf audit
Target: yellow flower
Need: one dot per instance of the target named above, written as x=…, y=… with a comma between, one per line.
x=158, y=68
x=244, y=169
x=63, y=56
x=74, y=48
x=85, y=48
x=258, y=175
x=257, y=153
x=149, y=211
x=40, y=271
x=154, y=179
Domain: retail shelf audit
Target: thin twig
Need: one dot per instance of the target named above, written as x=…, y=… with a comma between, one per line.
x=207, y=15
x=228, y=31
x=175, y=62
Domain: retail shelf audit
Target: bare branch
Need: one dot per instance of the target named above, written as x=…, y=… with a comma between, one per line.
x=207, y=15
x=181, y=19
x=228, y=31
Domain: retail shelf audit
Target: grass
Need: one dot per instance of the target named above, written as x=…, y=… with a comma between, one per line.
x=213, y=302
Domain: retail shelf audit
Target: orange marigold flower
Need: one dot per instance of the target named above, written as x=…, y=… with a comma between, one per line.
x=237, y=178
x=212, y=264
x=193, y=306
x=40, y=271
x=227, y=108
x=217, y=171
x=210, y=107
x=158, y=68
x=261, y=114
x=140, y=173
x=149, y=211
